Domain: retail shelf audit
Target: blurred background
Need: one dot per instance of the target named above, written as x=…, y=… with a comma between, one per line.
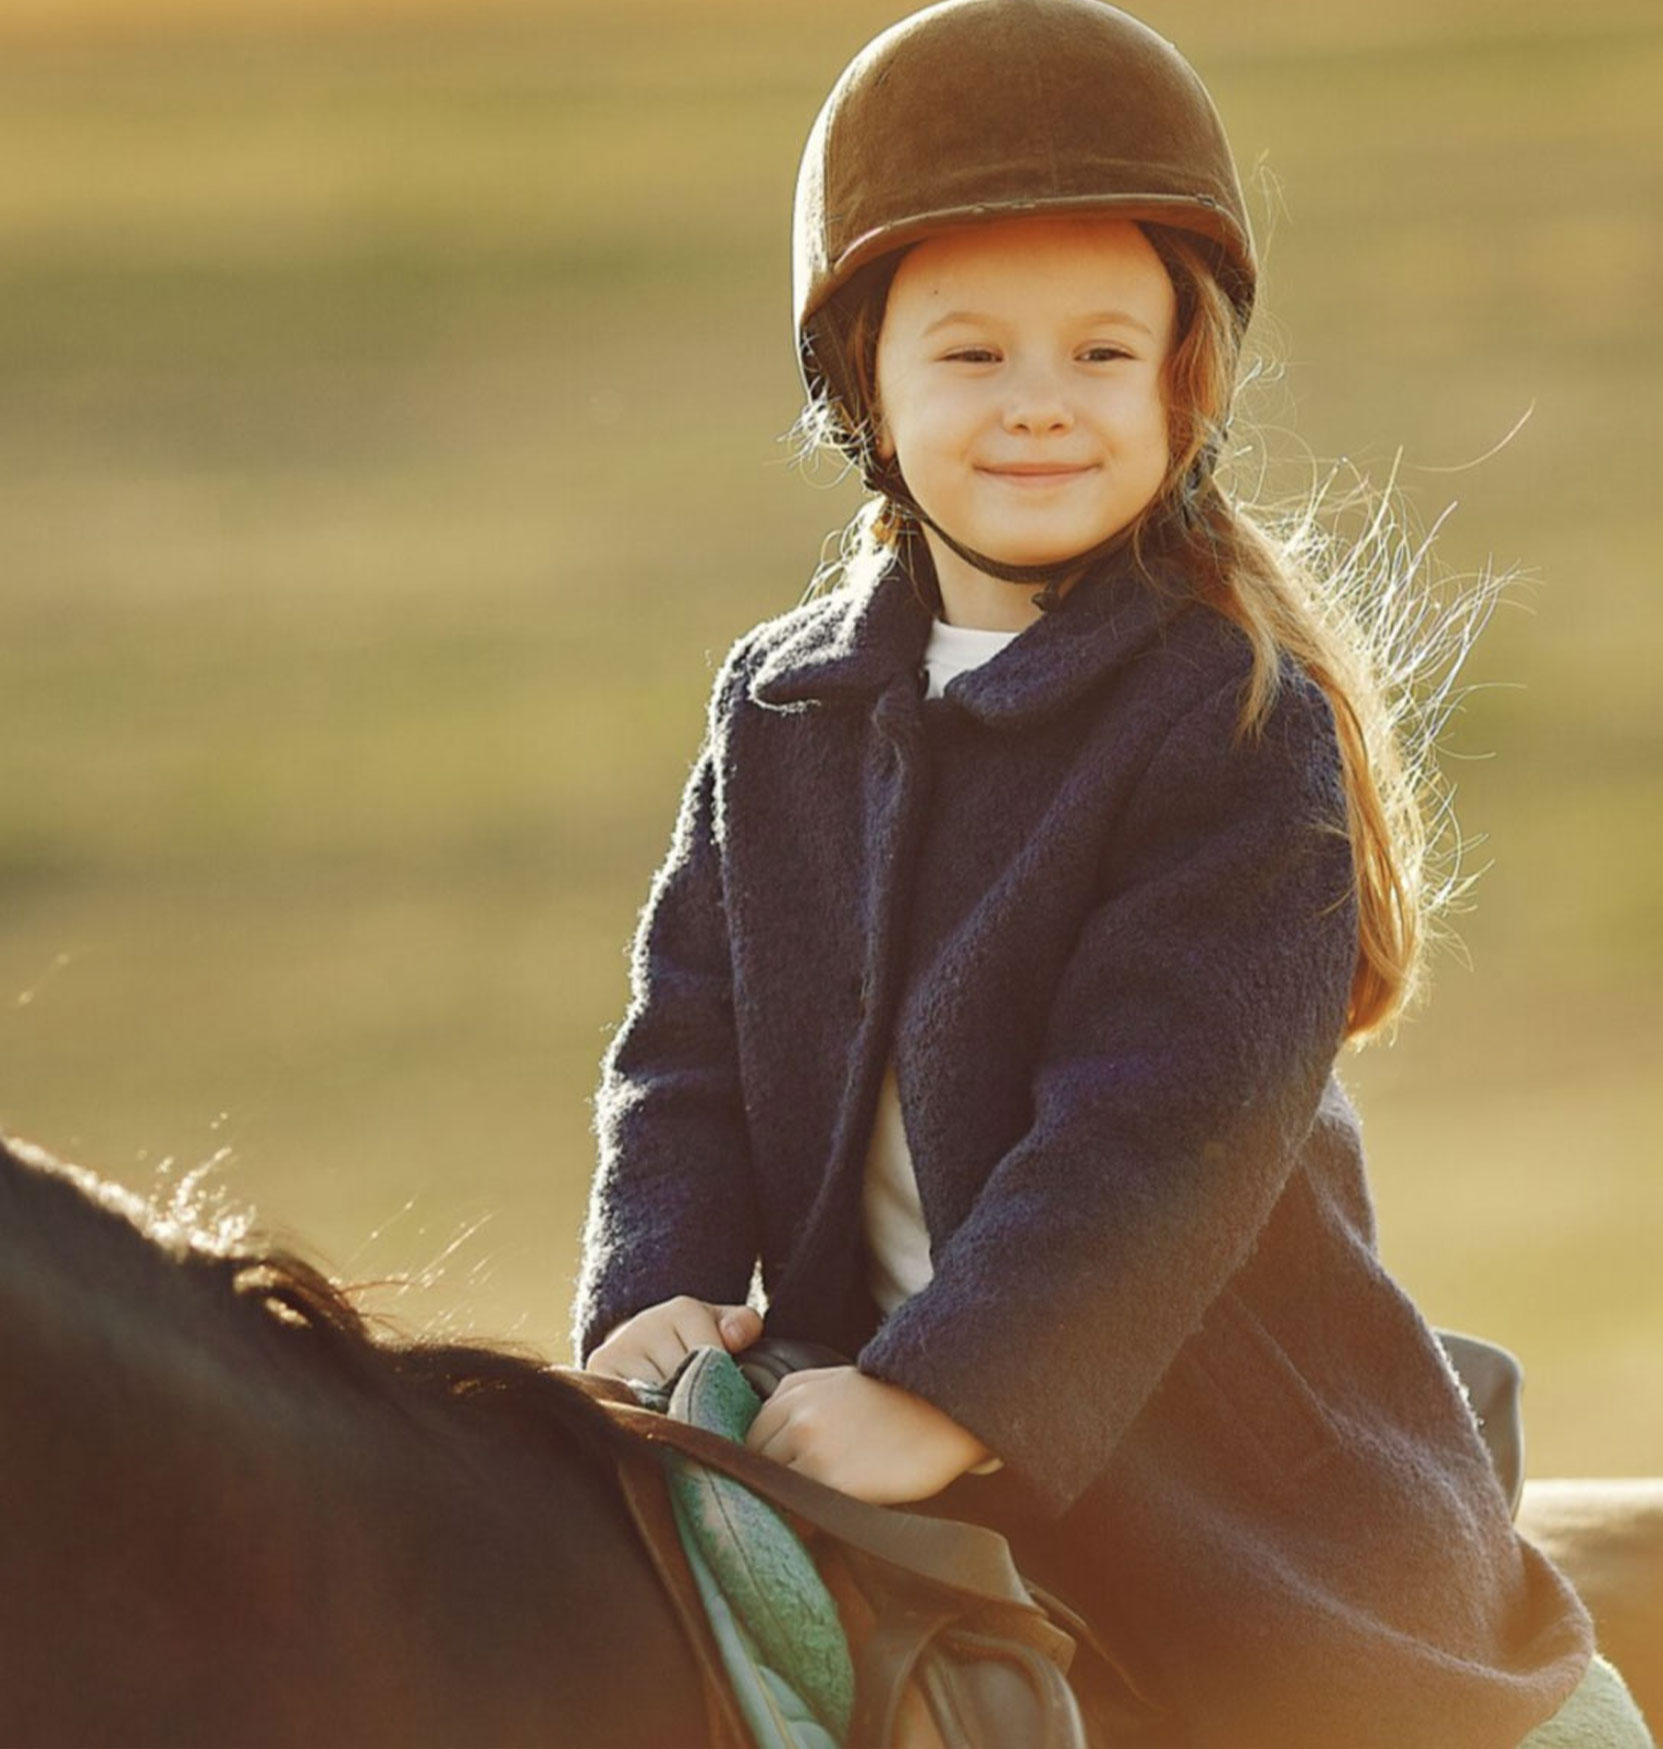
x=391, y=413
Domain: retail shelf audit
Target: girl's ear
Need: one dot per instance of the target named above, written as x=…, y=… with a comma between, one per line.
x=882, y=442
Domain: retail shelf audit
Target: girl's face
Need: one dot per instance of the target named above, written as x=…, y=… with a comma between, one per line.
x=1021, y=384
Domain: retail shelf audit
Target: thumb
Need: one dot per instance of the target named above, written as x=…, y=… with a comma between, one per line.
x=739, y=1326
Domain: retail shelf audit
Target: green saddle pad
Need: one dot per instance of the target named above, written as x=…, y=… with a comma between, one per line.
x=774, y=1620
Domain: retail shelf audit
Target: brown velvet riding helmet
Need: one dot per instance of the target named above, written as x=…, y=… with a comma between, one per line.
x=974, y=111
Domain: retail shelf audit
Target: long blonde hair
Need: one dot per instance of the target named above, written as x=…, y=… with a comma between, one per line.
x=1348, y=610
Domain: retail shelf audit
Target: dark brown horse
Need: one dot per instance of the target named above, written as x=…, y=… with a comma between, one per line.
x=228, y=1515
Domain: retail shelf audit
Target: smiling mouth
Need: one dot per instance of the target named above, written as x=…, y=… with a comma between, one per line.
x=1046, y=476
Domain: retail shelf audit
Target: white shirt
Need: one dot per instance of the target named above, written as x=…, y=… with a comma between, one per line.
x=954, y=650
x=897, y=1242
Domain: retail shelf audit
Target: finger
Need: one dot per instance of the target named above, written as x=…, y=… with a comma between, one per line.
x=626, y=1352
x=693, y=1324
x=777, y=1444
x=765, y=1423
x=774, y=1432
x=627, y=1365
x=615, y=1358
x=739, y=1326
x=664, y=1354
x=629, y=1360
x=807, y=1378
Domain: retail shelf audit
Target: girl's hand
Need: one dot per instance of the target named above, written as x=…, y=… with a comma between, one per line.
x=862, y=1436
x=652, y=1344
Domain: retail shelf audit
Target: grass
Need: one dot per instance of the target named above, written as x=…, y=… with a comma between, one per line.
x=391, y=446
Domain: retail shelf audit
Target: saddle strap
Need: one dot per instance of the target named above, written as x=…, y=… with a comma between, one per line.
x=983, y=1692
x=646, y=1493
x=963, y=1559
x=888, y=1665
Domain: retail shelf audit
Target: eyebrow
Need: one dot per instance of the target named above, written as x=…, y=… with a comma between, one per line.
x=1097, y=318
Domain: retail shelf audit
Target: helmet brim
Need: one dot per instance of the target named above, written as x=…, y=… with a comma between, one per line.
x=1182, y=212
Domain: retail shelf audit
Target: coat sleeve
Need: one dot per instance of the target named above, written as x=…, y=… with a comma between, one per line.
x=1186, y=1049
x=672, y=1206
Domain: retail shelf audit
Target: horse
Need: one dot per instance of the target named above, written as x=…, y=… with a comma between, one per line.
x=232, y=1511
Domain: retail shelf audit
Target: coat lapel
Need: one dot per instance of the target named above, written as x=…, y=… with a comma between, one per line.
x=1110, y=617
x=856, y=641
x=852, y=641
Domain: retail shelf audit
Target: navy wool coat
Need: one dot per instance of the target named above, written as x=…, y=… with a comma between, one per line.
x=1109, y=942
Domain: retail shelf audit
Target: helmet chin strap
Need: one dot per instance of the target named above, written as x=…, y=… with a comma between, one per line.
x=884, y=476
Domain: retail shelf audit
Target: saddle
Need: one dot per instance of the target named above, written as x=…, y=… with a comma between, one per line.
x=903, y=1632
x=821, y=1621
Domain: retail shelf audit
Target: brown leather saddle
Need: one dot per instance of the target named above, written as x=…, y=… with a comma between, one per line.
x=951, y=1646
x=962, y=1579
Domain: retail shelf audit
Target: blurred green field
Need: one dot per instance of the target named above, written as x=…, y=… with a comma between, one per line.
x=390, y=443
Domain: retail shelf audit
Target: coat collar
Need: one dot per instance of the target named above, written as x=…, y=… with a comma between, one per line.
x=863, y=637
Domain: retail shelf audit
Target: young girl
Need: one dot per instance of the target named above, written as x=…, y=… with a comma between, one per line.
x=1022, y=894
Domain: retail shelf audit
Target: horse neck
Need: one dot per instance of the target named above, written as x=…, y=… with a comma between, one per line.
x=210, y=1537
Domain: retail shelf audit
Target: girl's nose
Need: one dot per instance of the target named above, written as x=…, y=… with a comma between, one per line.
x=1035, y=403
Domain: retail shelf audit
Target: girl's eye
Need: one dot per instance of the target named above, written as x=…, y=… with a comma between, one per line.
x=1102, y=352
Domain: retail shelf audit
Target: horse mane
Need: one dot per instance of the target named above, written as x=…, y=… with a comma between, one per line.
x=264, y=1291
x=240, y=1511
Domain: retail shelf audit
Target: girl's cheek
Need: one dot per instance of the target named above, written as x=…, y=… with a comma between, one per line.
x=963, y=405
x=935, y=420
